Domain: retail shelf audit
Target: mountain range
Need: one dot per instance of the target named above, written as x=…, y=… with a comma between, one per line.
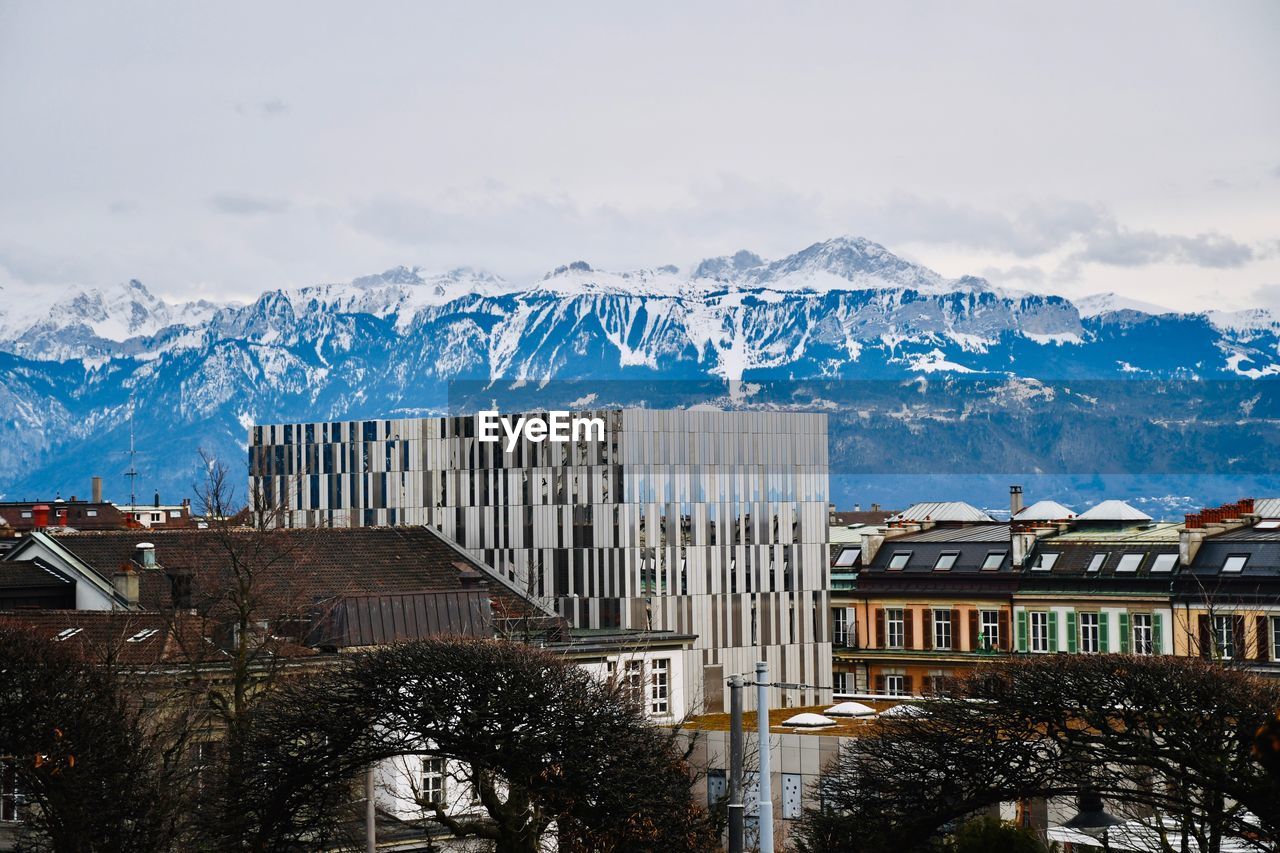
x=844, y=326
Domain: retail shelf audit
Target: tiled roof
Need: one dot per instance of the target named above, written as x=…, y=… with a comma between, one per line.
x=293, y=568
x=29, y=573
x=129, y=638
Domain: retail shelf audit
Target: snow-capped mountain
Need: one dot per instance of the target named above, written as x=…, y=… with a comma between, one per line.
x=845, y=310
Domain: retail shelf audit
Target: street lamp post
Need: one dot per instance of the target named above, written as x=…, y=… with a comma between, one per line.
x=1092, y=819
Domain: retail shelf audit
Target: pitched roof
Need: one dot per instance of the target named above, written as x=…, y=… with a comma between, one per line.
x=126, y=637
x=1113, y=511
x=942, y=511
x=293, y=568
x=1267, y=507
x=1044, y=511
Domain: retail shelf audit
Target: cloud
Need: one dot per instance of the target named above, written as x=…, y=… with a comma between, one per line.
x=1267, y=296
x=1018, y=273
x=239, y=204
x=1122, y=247
x=270, y=108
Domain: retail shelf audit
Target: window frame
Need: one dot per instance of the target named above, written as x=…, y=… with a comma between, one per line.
x=840, y=562
x=954, y=555
x=1230, y=558
x=994, y=625
x=906, y=558
x=1130, y=562
x=1147, y=647
x=1031, y=631
x=1045, y=561
x=1097, y=561
x=890, y=622
x=895, y=685
x=660, y=687
x=999, y=556
x=1224, y=636
x=938, y=625
x=1275, y=637
x=1092, y=630
x=426, y=775
x=1164, y=563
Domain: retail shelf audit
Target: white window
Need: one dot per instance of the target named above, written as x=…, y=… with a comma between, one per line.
x=1039, y=631
x=1096, y=561
x=1045, y=562
x=946, y=560
x=989, y=629
x=66, y=634
x=994, y=560
x=839, y=682
x=1129, y=562
x=1164, y=562
x=433, y=776
x=942, y=629
x=1270, y=524
x=1235, y=563
x=1224, y=637
x=92, y=513
x=847, y=557
x=1275, y=638
x=633, y=681
x=1143, y=639
x=1089, y=633
x=842, y=625
x=895, y=685
x=895, y=628
x=144, y=634
x=8, y=792
x=899, y=559
x=173, y=513
x=26, y=513
x=659, y=687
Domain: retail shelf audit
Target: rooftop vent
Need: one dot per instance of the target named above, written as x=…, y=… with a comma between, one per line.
x=808, y=721
x=146, y=555
x=850, y=709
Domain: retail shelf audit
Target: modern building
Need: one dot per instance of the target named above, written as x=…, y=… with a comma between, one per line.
x=698, y=522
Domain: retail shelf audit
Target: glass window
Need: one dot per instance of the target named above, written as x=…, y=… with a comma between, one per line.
x=1045, y=562
x=895, y=627
x=1129, y=562
x=946, y=560
x=1235, y=563
x=899, y=559
x=842, y=624
x=942, y=629
x=847, y=557
x=994, y=560
x=659, y=687
x=1089, y=633
x=989, y=629
x=67, y=634
x=895, y=685
x=1164, y=562
x=1224, y=637
x=1039, y=630
x=633, y=681
x=432, y=788
x=840, y=682
x=1143, y=639
x=1096, y=561
x=1275, y=638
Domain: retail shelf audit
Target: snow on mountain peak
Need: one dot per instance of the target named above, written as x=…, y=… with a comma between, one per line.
x=1104, y=303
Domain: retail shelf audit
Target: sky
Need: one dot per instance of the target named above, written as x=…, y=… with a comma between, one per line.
x=217, y=150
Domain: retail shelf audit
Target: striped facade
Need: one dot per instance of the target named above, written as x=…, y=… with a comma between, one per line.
x=705, y=523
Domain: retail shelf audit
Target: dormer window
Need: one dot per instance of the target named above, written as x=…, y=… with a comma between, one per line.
x=1129, y=562
x=847, y=557
x=994, y=560
x=1045, y=562
x=1164, y=562
x=144, y=634
x=899, y=560
x=1095, y=562
x=946, y=560
x=1235, y=563
x=66, y=634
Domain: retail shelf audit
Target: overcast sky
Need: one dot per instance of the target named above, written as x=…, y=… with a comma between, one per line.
x=221, y=149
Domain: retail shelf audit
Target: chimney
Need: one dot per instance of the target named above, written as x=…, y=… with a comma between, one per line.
x=97, y=490
x=1015, y=500
x=146, y=556
x=157, y=499
x=125, y=582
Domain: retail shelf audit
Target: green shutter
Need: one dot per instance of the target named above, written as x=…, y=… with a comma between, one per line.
x=1104, y=633
x=1124, y=633
x=1157, y=633
x=1053, y=630
x=1022, y=630
x=1072, y=632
